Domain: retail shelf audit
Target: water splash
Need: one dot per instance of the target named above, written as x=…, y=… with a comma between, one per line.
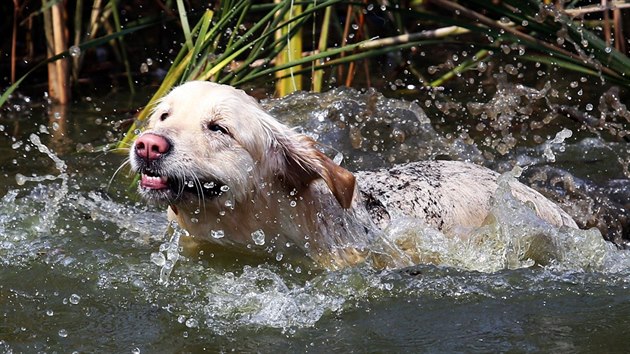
x=168, y=254
x=513, y=236
x=48, y=216
x=557, y=140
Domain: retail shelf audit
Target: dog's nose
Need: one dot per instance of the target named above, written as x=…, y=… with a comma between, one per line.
x=151, y=146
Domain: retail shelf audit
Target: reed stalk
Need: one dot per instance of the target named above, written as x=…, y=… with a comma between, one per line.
x=286, y=80
x=78, y=23
x=123, y=49
x=464, y=66
x=16, y=11
x=183, y=18
x=318, y=75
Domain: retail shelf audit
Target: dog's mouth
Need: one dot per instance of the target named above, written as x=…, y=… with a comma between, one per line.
x=161, y=186
x=152, y=181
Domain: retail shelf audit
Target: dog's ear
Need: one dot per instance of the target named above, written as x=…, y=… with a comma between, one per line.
x=303, y=163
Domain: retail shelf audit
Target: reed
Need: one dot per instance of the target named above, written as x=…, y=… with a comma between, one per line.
x=56, y=43
x=287, y=81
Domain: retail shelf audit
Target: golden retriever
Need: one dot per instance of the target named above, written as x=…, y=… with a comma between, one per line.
x=234, y=176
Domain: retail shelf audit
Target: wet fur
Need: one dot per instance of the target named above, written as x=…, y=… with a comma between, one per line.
x=277, y=182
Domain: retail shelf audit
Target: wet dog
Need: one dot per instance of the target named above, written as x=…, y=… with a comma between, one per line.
x=234, y=176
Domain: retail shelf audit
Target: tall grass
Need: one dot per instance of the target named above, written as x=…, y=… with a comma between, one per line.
x=297, y=42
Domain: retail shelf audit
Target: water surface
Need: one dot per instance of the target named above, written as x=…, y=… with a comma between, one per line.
x=78, y=251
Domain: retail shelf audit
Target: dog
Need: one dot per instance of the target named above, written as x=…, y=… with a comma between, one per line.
x=234, y=176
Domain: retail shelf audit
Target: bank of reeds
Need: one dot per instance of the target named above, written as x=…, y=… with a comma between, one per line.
x=302, y=44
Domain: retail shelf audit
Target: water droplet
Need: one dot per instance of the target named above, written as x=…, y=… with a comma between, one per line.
x=135, y=350
x=144, y=68
x=279, y=256
x=191, y=323
x=398, y=135
x=74, y=299
x=20, y=179
x=259, y=237
x=168, y=265
x=225, y=188
x=589, y=107
x=158, y=258
x=293, y=203
x=50, y=313
x=74, y=51
x=63, y=333
x=608, y=50
x=217, y=233
x=208, y=185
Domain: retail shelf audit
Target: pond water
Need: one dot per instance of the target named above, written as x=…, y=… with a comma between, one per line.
x=81, y=259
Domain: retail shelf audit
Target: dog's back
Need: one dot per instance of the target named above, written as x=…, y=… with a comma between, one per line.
x=448, y=195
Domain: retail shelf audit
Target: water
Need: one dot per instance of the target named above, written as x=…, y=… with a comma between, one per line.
x=84, y=266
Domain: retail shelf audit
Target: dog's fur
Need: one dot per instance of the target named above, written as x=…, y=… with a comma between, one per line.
x=231, y=169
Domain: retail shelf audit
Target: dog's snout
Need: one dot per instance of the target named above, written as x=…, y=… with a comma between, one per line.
x=151, y=146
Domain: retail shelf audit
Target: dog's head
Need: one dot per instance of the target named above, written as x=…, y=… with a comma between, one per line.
x=207, y=141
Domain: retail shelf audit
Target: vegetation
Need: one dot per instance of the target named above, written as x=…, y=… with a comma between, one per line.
x=317, y=42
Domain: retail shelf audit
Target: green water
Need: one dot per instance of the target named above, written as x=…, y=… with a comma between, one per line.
x=76, y=272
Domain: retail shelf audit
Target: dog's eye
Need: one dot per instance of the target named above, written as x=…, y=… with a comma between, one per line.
x=214, y=127
x=163, y=116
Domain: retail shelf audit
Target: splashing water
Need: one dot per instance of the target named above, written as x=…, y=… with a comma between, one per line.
x=47, y=218
x=168, y=254
x=557, y=140
x=512, y=237
x=100, y=244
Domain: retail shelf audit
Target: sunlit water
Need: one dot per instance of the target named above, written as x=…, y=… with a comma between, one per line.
x=84, y=266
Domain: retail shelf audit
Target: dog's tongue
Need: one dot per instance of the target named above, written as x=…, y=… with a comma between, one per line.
x=151, y=182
